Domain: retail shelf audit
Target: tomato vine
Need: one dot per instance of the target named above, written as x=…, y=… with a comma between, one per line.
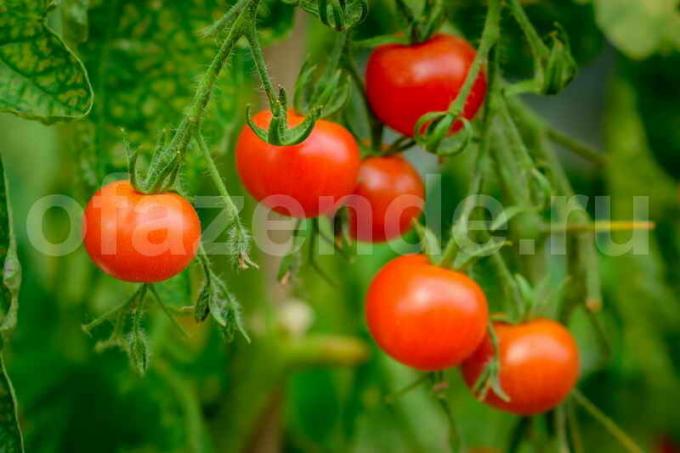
x=428, y=310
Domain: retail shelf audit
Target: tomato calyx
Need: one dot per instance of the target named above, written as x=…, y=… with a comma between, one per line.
x=340, y=15
x=554, y=65
x=329, y=89
x=489, y=379
x=432, y=129
x=421, y=27
x=278, y=133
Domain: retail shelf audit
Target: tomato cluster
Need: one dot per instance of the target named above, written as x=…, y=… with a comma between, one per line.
x=384, y=194
x=423, y=315
x=431, y=318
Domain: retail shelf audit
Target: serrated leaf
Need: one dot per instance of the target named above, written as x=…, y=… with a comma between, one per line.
x=640, y=28
x=138, y=350
x=40, y=77
x=160, y=53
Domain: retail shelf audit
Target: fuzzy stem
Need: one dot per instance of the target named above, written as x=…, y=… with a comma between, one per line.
x=217, y=180
x=261, y=65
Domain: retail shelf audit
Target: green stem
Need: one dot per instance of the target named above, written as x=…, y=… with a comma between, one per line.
x=508, y=283
x=538, y=47
x=582, y=261
x=560, y=420
x=261, y=65
x=166, y=160
x=217, y=180
x=577, y=147
x=451, y=249
x=375, y=125
x=574, y=428
x=490, y=35
x=443, y=400
x=394, y=396
x=520, y=154
x=411, y=21
x=617, y=433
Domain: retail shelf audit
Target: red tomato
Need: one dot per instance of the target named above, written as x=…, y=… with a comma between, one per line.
x=425, y=316
x=137, y=237
x=389, y=195
x=303, y=180
x=405, y=82
x=539, y=365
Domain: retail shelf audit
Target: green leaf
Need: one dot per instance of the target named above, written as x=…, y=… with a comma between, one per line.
x=145, y=58
x=640, y=28
x=138, y=350
x=216, y=300
x=40, y=77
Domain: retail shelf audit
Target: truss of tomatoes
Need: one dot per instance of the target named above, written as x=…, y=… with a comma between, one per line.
x=424, y=316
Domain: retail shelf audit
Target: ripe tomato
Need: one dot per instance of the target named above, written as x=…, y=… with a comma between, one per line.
x=539, y=365
x=137, y=237
x=425, y=316
x=405, y=82
x=303, y=180
x=389, y=195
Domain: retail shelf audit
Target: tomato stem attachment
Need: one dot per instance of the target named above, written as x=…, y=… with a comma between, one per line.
x=427, y=124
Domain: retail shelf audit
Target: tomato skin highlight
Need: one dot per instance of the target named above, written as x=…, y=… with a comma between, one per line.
x=403, y=82
x=425, y=316
x=324, y=167
x=394, y=193
x=539, y=365
x=140, y=237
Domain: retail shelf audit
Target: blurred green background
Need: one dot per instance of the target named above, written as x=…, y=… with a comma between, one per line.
x=304, y=383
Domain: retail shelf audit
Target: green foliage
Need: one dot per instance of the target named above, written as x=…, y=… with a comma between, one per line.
x=41, y=77
x=640, y=28
x=145, y=59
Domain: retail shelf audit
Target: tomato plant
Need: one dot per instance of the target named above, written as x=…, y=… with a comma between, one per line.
x=138, y=237
x=404, y=82
x=303, y=180
x=394, y=196
x=425, y=316
x=538, y=365
x=485, y=99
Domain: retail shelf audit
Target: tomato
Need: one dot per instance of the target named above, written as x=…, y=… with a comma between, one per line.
x=403, y=82
x=390, y=194
x=425, y=316
x=138, y=237
x=539, y=365
x=303, y=180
